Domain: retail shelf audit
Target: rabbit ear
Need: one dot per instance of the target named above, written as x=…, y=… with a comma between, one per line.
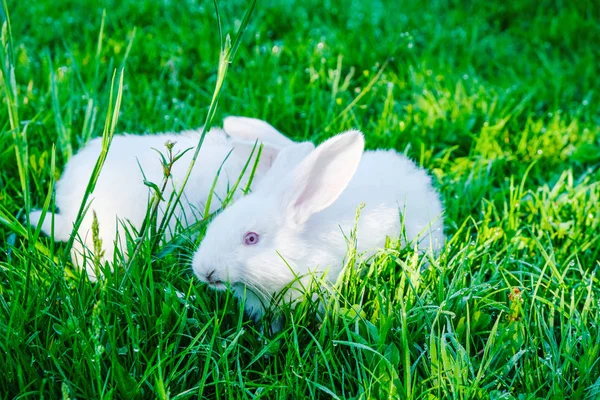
x=322, y=176
x=250, y=129
x=286, y=160
x=268, y=154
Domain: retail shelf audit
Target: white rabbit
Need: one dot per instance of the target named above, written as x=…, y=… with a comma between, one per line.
x=299, y=217
x=121, y=197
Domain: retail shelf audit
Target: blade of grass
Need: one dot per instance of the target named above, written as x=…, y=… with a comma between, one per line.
x=225, y=59
x=12, y=102
x=112, y=117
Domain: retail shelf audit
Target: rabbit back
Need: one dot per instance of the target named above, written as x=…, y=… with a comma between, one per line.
x=120, y=191
x=398, y=198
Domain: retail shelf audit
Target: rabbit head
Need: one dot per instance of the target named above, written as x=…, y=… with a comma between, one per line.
x=257, y=243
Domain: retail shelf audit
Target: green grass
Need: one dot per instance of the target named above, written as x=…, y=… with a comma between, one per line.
x=499, y=100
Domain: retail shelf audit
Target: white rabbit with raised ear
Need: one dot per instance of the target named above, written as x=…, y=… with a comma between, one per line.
x=121, y=197
x=299, y=217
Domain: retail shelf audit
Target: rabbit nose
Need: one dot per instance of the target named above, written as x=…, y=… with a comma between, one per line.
x=209, y=277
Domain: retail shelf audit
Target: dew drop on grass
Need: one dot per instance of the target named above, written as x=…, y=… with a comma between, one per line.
x=136, y=349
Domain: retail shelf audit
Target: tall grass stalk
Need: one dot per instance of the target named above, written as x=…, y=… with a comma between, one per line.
x=226, y=57
x=110, y=125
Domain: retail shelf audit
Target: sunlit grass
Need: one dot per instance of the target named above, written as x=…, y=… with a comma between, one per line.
x=498, y=101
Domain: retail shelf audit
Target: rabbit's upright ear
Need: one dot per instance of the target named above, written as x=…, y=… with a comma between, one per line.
x=251, y=129
x=287, y=159
x=322, y=176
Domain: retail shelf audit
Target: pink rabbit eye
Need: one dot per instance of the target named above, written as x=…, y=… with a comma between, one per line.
x=250, y=238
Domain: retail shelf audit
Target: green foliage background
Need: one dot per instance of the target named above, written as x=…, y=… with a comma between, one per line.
x=499, y=100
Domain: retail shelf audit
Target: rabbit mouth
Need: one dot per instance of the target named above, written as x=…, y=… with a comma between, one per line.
x=218, y=285
x=214, y=282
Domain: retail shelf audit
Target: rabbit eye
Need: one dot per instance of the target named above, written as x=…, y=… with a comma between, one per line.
x=250, y=238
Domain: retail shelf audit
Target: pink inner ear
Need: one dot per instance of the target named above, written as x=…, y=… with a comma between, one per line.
x=303, y=198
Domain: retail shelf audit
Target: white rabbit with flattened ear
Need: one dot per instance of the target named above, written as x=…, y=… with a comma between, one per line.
x=296, y=221
x=121, y=197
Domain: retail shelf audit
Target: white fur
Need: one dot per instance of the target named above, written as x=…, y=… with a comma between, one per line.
x=305, y=209
x=120, y=196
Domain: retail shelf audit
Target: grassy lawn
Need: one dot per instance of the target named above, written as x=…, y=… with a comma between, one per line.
x=498, y=100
